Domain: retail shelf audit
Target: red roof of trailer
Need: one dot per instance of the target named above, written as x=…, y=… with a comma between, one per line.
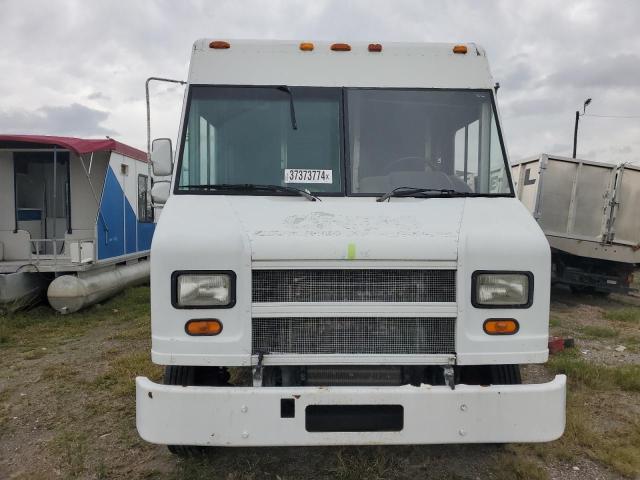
x=79, y=145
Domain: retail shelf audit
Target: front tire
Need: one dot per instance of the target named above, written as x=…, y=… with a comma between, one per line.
x=187, y=375
x=505, y=375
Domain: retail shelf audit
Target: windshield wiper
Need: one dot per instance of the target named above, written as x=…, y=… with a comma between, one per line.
x=249, y=187
x=423, y=192
x=292, y=108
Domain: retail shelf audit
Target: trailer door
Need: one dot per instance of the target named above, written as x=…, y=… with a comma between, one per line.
x=625, y=224
x=42, y=194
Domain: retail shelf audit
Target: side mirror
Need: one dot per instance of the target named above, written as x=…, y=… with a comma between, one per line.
x=160, y=192
x=161, y=158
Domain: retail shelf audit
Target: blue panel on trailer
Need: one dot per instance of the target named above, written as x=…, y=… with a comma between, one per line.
x=145, y=233
x=111, y=242
x=114, y=209
x=131, y=228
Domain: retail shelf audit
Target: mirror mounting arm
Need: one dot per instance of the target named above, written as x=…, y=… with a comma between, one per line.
x=146, y=89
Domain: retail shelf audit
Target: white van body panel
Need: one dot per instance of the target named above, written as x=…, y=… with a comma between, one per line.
x=398, y=65
x=245, y=233
x=238, y=233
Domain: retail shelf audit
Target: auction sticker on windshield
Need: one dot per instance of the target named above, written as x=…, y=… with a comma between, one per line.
x=307, y=175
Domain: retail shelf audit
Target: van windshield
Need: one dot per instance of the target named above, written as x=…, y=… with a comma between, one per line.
x=295, y=136
x=263, y=135
x=434, y=139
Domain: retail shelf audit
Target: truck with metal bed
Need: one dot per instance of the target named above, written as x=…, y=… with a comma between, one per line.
x=588, y=211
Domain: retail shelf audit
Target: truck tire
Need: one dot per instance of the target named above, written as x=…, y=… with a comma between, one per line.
x=186, y=375
x=505, y=375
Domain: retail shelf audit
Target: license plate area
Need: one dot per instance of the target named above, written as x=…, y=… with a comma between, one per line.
x=354, y=418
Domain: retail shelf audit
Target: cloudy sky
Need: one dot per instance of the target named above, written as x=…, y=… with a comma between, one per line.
x=78, y=67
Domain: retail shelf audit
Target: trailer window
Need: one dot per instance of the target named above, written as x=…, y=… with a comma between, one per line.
x=246, y=135
x=442, y=139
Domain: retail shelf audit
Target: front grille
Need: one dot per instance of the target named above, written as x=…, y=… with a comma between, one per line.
x=319, y=335
x=353, y=375
x=372, y=285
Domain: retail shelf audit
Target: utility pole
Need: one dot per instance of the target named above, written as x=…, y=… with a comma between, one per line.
x=575, y=129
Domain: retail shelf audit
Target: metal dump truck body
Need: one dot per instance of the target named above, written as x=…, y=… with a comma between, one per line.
x=586, y=209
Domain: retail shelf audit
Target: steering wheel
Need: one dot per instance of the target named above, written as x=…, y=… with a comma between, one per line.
x=411, y=159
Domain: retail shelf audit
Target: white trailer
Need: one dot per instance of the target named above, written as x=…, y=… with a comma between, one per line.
x=342, y=224
x=588, y=211
x=76, y=219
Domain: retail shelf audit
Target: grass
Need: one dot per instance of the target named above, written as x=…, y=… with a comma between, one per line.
x=201, y=468
x=87, y=378
x=119, y=379
x=43, y=327
x=592, y=386
x=597, y=331
x=599, y=377
x=516, y=465
x=71, y=449
x=626, y=314
x=632, y=342
x=84, y=364
x=618, y=447
x=354, y=464
x=555, y=322
x=5, y=407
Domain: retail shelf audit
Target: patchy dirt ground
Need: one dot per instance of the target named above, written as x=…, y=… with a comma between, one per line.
x=67, y=407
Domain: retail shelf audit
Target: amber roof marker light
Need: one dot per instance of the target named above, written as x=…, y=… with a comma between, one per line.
x=460, y=49
x=306, y=46
x=375, y=47
x=341, y=47
x=219, y=45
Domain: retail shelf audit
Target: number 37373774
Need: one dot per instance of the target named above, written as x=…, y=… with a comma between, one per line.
x=307, y=175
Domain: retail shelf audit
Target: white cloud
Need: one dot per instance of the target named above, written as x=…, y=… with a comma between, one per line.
x=548, y=56
x=71, y=120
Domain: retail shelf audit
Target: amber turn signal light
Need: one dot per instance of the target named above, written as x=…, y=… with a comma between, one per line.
x=219, y=44
x=460, y=49
x=203, y=327
x=501, y=326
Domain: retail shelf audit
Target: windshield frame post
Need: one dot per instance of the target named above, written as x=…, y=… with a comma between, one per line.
x=484, y=147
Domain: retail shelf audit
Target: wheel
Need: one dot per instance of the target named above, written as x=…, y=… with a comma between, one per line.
x=187, y=451
x=577, y=290
x=505, y=375
x=187, y=375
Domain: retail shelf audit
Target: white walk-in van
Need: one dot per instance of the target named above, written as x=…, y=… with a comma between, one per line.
x=341, y=258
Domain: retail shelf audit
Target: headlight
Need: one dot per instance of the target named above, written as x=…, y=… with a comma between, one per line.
x=502, y=289
x=203, y=289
